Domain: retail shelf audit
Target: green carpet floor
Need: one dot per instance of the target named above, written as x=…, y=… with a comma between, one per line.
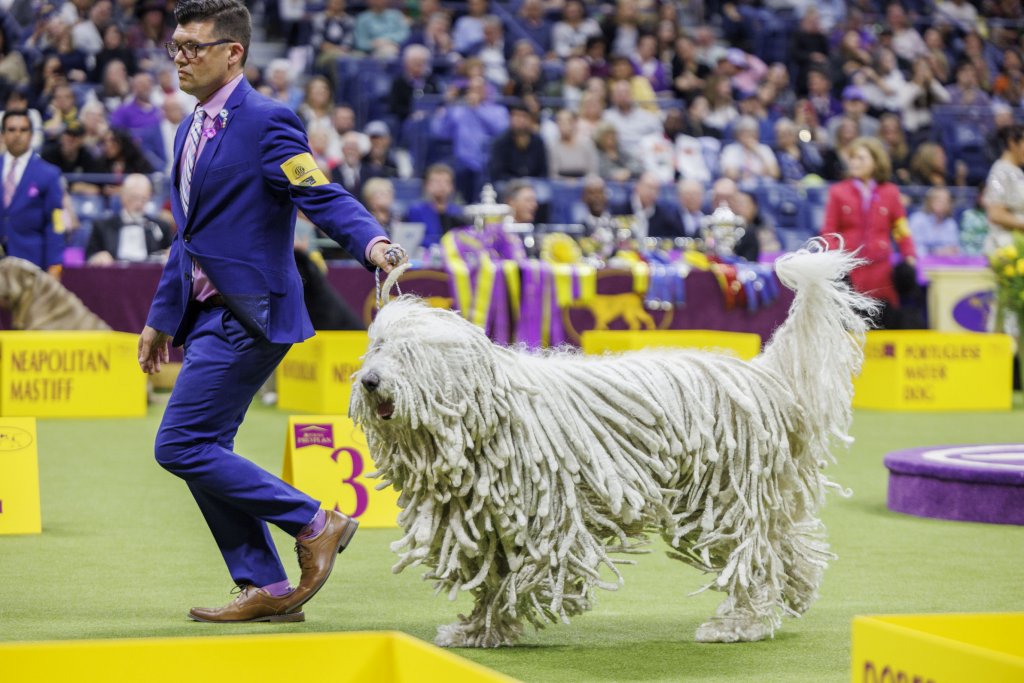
x=125, y=552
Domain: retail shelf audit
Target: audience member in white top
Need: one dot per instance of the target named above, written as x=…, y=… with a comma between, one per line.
x=883, y=83
x=960, y=13
x=569, y=36
x=631, y=122
x=174, y=112
x=748, y=159
x=86, y=35
x=492, y=52
x=907, y=43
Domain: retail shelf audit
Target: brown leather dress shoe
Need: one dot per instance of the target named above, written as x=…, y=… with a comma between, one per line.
x=252, y=604
x=317, y=555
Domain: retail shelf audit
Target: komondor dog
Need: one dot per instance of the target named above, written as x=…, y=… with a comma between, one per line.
x=521, y=472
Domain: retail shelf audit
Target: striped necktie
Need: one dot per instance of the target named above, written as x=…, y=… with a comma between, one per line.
x=10, y=186
x=191, y=152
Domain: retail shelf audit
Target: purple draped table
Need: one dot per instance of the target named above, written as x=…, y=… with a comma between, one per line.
x=121, y=295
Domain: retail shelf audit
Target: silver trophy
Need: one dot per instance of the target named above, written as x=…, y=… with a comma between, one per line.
x=488, y=211
x=722, y=230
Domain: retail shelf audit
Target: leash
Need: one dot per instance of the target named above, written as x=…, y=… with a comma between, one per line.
x=383, y=292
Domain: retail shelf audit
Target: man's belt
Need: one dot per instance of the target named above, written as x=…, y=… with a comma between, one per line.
x=212, y=302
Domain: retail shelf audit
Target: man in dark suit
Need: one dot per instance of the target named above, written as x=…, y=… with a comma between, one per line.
x=130, y=234
x=350, y=173
x=231, y=294
x=651, y=218
x=519, y=152
x=31, y=226
x=415, y=81
x=691, y=199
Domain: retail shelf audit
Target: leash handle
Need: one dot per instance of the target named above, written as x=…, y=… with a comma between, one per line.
x=383, y=291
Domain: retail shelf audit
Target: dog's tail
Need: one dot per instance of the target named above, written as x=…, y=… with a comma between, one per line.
x=818, y=350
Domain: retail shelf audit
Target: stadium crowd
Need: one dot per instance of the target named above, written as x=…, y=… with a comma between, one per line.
x=653, y=110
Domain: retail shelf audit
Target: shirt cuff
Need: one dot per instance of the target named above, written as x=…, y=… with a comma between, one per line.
x=369, y=247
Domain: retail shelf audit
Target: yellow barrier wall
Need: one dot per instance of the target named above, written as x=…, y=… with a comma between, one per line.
x=918, y=370
x=383, y=657
x=745, y=345
x=943, y=648
x=326, y=457
x=71, y=374
x=19, y=477
x=315, y=375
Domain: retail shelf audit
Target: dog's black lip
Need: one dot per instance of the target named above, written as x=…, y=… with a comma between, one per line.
x=386, y=409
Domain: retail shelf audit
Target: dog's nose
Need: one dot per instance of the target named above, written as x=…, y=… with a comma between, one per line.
x=371, y=381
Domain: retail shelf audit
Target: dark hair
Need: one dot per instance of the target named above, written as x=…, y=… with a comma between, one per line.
x=14, y=113
x=1010, y=134
x=134, y=160
x=230, y=19
x=19, y=91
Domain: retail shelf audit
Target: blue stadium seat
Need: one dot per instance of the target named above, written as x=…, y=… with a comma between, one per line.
x=712, y=150
x=618, y=193
x=566, y=202
x=89, y=207
x=811, y=216
x=407, y=189
x=781, y=203
x=792, y=239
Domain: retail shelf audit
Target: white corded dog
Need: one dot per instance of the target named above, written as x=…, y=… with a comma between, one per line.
x=520, y=472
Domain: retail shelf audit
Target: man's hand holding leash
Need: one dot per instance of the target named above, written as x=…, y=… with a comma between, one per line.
x=387, y=256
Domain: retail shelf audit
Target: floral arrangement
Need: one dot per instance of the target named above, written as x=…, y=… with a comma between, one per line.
x=1007, y=263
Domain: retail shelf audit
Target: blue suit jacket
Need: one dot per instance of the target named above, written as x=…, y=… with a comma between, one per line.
x=27, y=226
x=245, y=188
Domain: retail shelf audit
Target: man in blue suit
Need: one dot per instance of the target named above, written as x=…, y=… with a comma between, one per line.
x=30, y=218
x=231, y=294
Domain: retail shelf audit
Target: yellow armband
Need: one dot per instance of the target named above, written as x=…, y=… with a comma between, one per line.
x=301, y=169
x=58, y=221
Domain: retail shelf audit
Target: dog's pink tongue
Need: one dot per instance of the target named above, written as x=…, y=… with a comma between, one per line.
x=385, y=409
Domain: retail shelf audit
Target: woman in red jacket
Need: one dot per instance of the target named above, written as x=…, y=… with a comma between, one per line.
x=865, y=209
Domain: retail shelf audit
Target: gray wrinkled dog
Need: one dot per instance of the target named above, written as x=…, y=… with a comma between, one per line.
x=520, y=472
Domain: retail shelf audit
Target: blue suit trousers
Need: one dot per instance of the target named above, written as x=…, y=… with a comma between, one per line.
x=224, y=367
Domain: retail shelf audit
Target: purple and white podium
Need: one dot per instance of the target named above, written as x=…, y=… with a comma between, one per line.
x=970, y=483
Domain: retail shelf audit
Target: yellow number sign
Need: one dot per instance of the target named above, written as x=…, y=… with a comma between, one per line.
x=326, y=457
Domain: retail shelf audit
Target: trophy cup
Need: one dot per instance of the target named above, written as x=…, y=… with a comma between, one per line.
x=488, y=211
x=722, y=230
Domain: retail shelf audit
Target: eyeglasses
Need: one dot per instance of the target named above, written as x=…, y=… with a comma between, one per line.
x=190, y=49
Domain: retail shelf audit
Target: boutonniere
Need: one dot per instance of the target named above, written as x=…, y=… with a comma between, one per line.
x=220, y=122
x=33, y=191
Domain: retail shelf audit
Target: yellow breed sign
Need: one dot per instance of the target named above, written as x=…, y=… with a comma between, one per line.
x=938, y=648
x=935, y=371
x=19, y=477
x=315, y=376
x=71, y=374
x=326, y=457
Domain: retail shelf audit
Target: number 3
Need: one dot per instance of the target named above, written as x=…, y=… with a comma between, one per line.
x=362, y=495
